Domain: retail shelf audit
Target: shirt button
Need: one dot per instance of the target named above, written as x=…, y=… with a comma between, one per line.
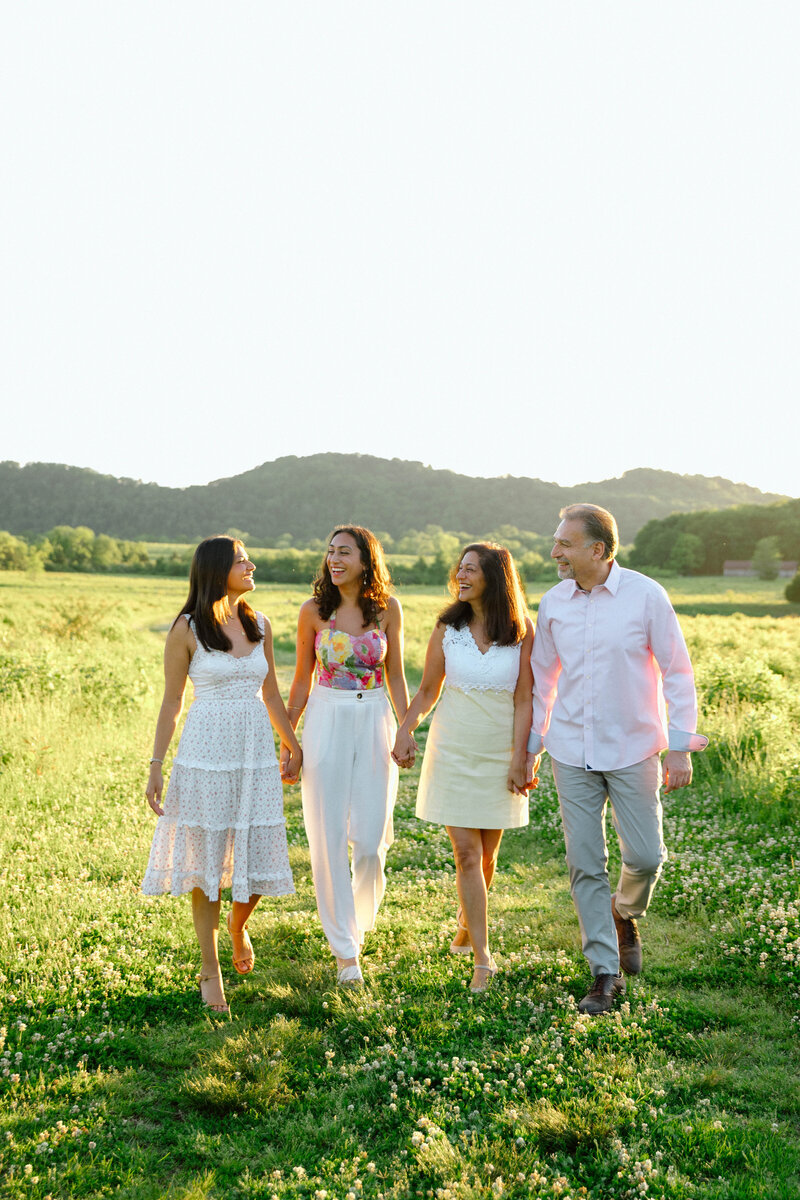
x=359, y=695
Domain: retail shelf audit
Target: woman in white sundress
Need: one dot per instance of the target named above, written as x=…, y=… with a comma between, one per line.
x=222, y=823
x=473, y=777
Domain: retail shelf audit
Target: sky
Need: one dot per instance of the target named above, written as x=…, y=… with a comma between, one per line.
x=555, y=239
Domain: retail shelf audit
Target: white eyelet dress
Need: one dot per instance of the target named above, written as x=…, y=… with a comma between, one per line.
x=223, y=823
x=471, y=739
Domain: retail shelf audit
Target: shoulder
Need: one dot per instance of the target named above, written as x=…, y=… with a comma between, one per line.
x=263, y=622
x=391, y=615
x=181, y=637
x=180, y=630
x=649, y=589
x=529, y=631
x=558, y=591
x=309, y=613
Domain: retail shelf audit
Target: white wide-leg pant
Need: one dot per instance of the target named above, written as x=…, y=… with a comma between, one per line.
x=634, y=793
x=349, y=786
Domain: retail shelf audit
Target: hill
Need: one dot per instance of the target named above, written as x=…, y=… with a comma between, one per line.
x=306, y=496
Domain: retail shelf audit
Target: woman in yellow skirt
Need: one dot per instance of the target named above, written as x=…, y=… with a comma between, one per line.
x=473, y=777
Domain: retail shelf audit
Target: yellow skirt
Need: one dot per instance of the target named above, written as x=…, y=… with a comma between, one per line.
x=466, y=764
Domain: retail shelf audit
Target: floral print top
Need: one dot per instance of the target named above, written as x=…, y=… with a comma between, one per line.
x=350, y=662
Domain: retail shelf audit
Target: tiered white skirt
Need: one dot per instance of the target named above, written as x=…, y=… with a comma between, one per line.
x=223, y=824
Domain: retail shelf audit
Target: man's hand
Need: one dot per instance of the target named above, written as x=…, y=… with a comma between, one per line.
x=677, y=767
x=532, y=770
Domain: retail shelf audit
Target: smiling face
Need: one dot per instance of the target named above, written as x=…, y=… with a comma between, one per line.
x=576, y=557
x=240, y=576
x=344, y=560
x=470, y=578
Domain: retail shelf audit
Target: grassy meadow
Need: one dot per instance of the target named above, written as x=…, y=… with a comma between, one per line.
x=115, y=1082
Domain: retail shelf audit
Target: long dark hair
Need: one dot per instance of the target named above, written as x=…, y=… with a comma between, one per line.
x=207, y=601
x=373, y=597
x=503, y=601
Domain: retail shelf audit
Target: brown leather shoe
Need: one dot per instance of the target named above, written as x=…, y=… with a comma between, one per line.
x=601, y=995
x=628, y=940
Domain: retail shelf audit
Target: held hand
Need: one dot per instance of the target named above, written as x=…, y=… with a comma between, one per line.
x=290, y=764
x=532, y=762
x=517, y=782
x=677, y=768
x=155, y=788
x=405, y=749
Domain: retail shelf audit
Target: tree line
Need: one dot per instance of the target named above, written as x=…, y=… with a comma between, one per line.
x=682, y=544
x=78, y=548
x=699, y=543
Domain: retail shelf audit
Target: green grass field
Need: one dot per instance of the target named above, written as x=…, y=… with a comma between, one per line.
x=114, y=1082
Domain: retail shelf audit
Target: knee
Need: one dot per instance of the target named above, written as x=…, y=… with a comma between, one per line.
x=467, y=859
x=580, y=872
x=369, y=862
x=645, y=861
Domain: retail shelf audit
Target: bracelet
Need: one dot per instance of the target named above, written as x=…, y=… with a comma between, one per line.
x=158, y=760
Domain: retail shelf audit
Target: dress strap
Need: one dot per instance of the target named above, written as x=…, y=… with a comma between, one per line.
x=332, y=624
x=193, y=631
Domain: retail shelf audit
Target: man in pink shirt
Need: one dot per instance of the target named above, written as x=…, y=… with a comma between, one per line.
x=613, y=687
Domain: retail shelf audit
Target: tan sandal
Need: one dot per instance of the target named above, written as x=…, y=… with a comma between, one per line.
x=491, y=970
x=221, y=1008
x=246, y=945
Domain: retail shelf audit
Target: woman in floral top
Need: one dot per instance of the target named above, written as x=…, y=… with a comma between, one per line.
x=350, y=641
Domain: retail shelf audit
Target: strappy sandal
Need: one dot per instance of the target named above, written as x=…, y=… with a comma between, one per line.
x=491, y=970
x=222, y=1009
x=246, y=945
x=456, y=947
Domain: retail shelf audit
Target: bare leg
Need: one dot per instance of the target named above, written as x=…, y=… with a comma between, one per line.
x=243, y=955
x=205, y=914
x=471, y=848
x=488, y=864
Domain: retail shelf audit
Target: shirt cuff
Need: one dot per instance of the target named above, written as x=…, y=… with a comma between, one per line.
x=679, y=740
x=535, y=743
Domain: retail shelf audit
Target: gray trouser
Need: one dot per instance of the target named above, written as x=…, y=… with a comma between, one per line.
x=636, y=813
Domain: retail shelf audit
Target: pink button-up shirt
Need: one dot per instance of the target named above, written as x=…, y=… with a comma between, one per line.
x=613, y=683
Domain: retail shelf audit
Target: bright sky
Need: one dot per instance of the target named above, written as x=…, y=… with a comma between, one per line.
x=546, y=239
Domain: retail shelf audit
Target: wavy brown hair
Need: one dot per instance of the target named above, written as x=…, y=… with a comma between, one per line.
x=373, y=597
x=503, y=601
x=207, y=602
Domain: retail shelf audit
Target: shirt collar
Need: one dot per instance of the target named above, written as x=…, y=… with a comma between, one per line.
x=611, y=583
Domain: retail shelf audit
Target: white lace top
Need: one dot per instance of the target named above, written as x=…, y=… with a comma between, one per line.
x=467, y=669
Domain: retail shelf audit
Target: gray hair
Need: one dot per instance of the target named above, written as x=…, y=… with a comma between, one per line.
x=598, y=525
